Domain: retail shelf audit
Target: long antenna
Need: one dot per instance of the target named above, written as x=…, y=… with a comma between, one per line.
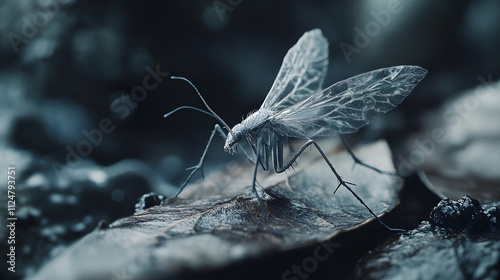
x=188, y=107
x=204, y=102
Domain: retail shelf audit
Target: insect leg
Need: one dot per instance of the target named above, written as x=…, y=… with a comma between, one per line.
x=264, y=213
x=341, y=181
x=360, y=162
x=199, y=166
x=294, y=157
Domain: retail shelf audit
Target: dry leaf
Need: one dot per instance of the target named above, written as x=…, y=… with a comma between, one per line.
x=218, y=221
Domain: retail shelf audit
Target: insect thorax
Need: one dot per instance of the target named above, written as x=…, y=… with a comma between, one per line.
x=257, y=119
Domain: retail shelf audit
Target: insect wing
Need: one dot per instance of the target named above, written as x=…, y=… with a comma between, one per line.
x=348, y=105
x=302, y=72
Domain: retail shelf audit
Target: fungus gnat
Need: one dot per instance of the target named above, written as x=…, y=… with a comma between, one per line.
x=298, y=107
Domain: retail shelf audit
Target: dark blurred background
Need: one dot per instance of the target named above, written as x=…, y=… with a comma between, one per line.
x=85, y=149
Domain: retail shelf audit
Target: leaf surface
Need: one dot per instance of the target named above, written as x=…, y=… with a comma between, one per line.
x=218, y=221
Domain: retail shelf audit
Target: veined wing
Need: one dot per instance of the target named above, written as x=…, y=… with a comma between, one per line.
x=348, y=105
x=302, y=72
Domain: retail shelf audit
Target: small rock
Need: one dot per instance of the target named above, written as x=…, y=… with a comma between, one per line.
x=465, y=214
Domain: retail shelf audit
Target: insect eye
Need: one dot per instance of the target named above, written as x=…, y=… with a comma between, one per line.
x=238, y=135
